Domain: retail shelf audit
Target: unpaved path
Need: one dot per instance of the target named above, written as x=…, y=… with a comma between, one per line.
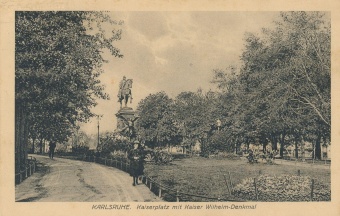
x=63, y=180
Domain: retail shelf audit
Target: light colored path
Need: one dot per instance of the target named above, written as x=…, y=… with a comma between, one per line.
x=63, y=180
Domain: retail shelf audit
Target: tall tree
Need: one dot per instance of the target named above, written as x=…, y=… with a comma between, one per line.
x=283, y=86
x=156, y=124
x=57, y=63
x=195, y=114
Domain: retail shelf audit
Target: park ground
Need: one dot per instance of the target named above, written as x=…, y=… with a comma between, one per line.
x=207, y=177
x=64, y=180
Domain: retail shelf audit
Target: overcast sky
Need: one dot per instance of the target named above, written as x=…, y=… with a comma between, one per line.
x=173, y=52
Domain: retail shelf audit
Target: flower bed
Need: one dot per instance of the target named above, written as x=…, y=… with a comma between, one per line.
x=282, y=188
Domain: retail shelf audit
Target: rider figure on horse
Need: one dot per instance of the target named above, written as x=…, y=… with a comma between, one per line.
x=121, y=87
x=124, y=91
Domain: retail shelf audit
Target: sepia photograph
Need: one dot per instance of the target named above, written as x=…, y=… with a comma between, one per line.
x=169, y=111
x=172, y=106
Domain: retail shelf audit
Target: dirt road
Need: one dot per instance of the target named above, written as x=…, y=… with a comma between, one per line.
x=63, y=180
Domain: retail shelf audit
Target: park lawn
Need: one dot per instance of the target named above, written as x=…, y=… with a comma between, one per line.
x=206, y=177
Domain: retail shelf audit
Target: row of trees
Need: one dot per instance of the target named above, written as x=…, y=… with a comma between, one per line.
x=58, y=59
x=280, y=94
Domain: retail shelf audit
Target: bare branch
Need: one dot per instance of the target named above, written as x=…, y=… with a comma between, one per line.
x=312, y=84
x=313, y=106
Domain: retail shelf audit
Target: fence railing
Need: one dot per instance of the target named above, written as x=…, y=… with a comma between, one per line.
x=158, y=189
x=154, y=186
x=30, y=168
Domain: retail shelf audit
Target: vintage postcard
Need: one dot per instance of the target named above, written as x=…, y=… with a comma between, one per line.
x=169, y=107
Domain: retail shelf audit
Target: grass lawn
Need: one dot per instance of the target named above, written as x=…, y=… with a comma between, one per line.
x=205, y=176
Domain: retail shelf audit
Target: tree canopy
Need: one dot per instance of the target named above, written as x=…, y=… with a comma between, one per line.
x=280, y=93
x=58, y=59
x=156, y=124
x=283, y=86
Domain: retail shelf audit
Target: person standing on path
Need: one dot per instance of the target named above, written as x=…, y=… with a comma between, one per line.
x=136, y=157
x=52, y=148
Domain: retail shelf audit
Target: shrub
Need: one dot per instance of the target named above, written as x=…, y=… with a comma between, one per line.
x=158, y=156
x=228, y=155
x=80, y=149
x=282, y=188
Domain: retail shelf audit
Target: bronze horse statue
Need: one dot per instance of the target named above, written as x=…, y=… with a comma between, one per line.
x=125, y=92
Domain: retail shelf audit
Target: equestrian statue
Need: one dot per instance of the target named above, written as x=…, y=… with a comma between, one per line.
x=124, y=92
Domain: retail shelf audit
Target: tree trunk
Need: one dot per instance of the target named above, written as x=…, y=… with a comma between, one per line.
x=33, y=149
x=281, y=150
x=318, y=147
x=22, y=138
x=25, y=141
x=303, y=149
x=235, y=152
x=324, y=148
x=296, y=149
x=17, y=138
x=274, y=142
x=41, y=146
x=264, y=145
x=44, y=148
x=235, y=146
x=282, y=143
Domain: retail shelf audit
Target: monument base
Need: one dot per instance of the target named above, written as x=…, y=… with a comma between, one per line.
x=125, y=111
x=126, y=117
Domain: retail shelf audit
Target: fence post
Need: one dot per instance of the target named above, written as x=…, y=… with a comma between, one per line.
x=121, y=164
x=34, y=164
x=160, y=191
x=150, y=185
x=146, y=180
x=231, y=182
x=20, y=177
x=30, y=169
x=312, y=190
x=177, y=196
x=256, y=192
x=226, y=182
x=116, y=162
x=26, y=171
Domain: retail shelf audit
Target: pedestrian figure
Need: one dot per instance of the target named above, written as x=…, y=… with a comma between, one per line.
x=136, y=157
x=52, y=147
x=251, y=157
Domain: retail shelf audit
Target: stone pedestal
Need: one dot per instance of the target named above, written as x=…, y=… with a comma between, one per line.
x=124, y=115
